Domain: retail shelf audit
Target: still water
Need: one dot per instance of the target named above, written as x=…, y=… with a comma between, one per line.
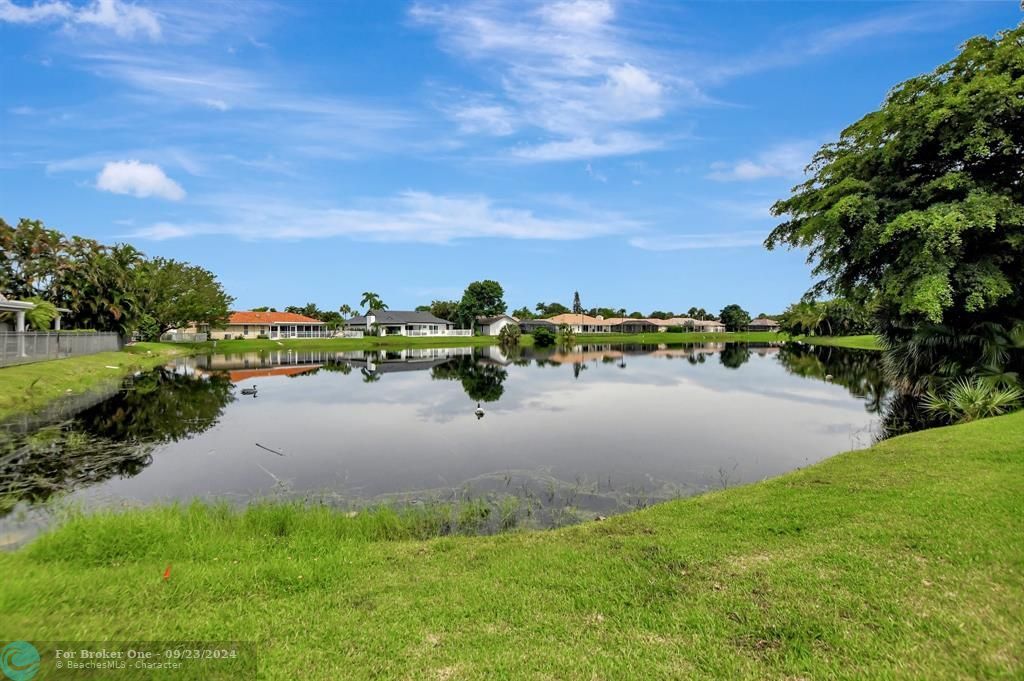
x=573, y=432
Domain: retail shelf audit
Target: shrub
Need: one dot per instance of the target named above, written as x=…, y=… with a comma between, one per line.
x=676, y=329
x=543, y=337
x=509, y=335
x=968, y=400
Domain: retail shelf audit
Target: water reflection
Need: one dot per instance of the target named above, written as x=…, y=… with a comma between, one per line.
x=571, y=431
x=115, y=438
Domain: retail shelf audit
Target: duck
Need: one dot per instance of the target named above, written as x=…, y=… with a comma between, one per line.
x=479, y=411
x=250, y=391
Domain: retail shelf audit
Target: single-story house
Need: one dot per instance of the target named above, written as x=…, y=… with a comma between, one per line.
x=581, y=323
x=492, y=326
x=707, y=326
x=531, y=325
x=272, y=325
x=404, y=323
x=631, y=325
x=763, y=324
x=585, y=324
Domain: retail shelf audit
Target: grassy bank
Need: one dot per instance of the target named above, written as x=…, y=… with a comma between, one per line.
x=27, y=387
x=903, y=561
x=868, y=342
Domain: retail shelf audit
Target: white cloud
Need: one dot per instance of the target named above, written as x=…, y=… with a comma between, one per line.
x=616, y=144
x=482, y=118
x=781, y=160
x=596, y=175
x=30, y=14
x=789, y=50
x=218, y=104
x=124, y=19
x=138, y=179
x=564, y=68
x=22, y=110
x=577, y=14
x=411, y=216
x=686, y=242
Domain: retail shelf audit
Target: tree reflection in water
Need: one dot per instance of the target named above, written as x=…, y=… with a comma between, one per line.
x=117, y=437
x=481, y=380
x=113, y=438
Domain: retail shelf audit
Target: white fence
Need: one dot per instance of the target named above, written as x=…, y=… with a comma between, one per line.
x=21, y=348
x=448, y=332
x=349, y=334
x=184, y=337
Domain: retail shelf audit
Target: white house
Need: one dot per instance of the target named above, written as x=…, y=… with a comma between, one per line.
x=403, y=323
x=492, y=326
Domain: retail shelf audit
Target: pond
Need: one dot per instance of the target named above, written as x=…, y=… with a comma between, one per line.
x=567, y=434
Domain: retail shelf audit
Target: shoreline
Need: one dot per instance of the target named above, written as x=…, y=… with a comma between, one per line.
x=28, y=388
x=767, y=580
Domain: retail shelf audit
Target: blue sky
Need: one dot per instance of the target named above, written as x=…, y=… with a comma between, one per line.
x=308, y=151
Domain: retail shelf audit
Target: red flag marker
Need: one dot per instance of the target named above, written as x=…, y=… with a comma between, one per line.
x=167, y=572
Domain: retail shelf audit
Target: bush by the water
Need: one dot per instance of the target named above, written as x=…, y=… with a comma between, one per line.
x=543, y=338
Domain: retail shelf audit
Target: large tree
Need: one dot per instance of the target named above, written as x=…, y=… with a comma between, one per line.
x=98, y=283
x=734, y=317
x=445, y=309
x=173, y=294
x=577, y=306
x=919, y=208
x=481, y=298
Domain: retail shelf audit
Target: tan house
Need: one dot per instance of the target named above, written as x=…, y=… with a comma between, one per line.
x=274, y=325
x=763, y=324
x=584, y=323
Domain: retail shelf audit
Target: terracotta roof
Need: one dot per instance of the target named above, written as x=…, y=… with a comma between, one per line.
x=577, y=318
x=249, y=374
x=270, y=318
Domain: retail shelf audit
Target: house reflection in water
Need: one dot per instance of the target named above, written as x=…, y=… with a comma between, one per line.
x=373, y=364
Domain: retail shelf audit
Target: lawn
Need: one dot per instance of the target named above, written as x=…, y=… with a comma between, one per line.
x=26, y=387
x=903, y=561
x=867, y=342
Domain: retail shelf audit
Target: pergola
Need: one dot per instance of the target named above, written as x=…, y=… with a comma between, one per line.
x=19, y=307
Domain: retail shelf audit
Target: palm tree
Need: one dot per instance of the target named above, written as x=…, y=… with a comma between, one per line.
x=345, y=311
x=371, y=301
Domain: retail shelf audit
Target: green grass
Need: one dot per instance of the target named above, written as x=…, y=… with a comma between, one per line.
x=27, y=387
x=868, y=342
x=903, y=561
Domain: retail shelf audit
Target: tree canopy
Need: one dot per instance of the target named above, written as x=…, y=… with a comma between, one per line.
x=107, y=288
x=174, y=294
x=919, y=206
x=550, y=309
x=482, y=298
x=734, y=317
x=372, y=301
